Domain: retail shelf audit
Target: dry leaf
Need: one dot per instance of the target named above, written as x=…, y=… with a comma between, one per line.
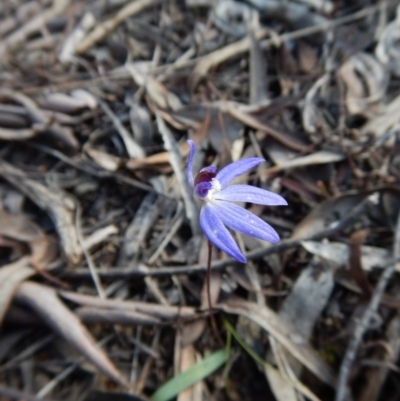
x=103, y=159
x=253, y=122
x=67, y=53
x=11, y=276
x=385, y=120
x=58, y=204
x=285, y=334
x=302, y=308
x=366, y=81
x=45, y=302
x=63, y=103
x=278, y=153
x=326, y=214
x=338, y=254
x=312, y=116
x=187, y=360
x=20, y=228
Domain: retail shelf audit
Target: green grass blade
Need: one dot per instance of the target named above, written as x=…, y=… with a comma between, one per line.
x=234, y=333
x=190, y=376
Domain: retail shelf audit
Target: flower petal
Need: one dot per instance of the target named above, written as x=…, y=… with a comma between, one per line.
x=233, y=170
x=212, y=169
x=218, y=234
x=248, y=193
x=239, y=219
x=189, y=167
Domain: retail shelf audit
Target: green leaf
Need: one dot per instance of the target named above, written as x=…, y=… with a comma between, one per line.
x=190, y=376
x=234, y=333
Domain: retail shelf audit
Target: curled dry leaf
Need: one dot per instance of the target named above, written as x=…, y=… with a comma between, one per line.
x=58, y=204
x=85, y=97
x=366, y=80
x=99, y=236
x=312, y=116
x=45, y=302
x=385, y=120
x=20, y=228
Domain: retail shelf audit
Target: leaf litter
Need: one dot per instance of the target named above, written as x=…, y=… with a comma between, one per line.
x=102, y=260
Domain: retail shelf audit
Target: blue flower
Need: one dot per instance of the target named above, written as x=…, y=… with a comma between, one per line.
x=218, y=211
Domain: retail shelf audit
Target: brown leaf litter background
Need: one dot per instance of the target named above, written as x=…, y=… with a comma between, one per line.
x=102, y=260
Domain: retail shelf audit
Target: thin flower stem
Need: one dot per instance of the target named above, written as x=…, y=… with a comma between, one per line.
x=208, y=284
x=208, y=277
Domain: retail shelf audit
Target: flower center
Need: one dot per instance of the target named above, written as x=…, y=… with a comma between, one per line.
x=205, y=184
x=204, y=175
x=215, y=188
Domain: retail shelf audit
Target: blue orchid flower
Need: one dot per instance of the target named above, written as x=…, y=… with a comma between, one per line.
x=218, y=211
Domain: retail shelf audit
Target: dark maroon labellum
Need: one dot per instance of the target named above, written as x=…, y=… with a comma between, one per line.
x=204, y=176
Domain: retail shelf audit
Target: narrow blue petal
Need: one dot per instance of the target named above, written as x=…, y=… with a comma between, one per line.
x=233, y=170
x=248, y=193
x=218, y=234
x=239, y=219
x=189, y=168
